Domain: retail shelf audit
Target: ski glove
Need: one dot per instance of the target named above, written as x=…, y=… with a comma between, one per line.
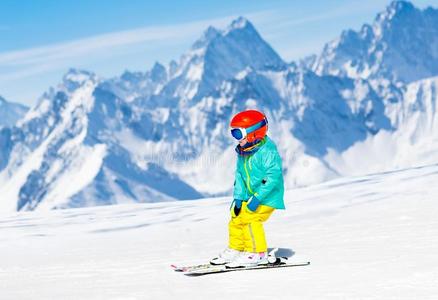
x=252, y=204
x=236, y=205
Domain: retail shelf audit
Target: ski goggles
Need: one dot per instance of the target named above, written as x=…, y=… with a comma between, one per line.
x=241, y=133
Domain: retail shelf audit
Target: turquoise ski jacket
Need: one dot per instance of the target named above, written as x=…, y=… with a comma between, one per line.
x=260, y=174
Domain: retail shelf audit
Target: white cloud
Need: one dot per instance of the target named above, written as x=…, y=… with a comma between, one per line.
x=94, y=44
x=19, y=64
x=27, y=62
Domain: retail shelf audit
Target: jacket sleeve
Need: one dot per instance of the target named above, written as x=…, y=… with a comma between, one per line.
x=273, y=175
x=239, y=191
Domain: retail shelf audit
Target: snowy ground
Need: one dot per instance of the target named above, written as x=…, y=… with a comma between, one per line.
x=370, y=237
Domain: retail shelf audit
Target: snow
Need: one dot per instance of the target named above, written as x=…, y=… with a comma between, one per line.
x=14, y=179
x=143, y=151
x=414, y=142
x=82, y=171
x=206, y=165
x=369, y=237
x=195, y=73
x=12, y=183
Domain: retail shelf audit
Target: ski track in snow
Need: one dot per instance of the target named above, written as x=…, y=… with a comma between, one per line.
x=368, y=237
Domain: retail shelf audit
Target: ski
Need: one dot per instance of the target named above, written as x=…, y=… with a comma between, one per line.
x=199, y=270
x=271, y=259
x=224, y=269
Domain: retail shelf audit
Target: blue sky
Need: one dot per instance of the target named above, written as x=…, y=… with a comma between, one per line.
x=41, y=39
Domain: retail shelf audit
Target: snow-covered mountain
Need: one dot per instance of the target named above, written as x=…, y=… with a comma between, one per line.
x=401, y=45
x=218, y=56
x=65, y=153
x=163, y=134
x=10, y=113
x=413, y=142
x=398, y=56
x=132, y=85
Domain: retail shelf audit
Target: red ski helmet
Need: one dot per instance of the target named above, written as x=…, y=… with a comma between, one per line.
x=251, y=124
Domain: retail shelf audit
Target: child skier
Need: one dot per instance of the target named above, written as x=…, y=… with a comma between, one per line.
x=258, y=191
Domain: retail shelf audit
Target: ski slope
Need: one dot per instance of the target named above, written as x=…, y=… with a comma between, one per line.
x=369, y=237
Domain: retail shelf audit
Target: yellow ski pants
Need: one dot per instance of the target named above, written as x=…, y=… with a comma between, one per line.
x=246, y=231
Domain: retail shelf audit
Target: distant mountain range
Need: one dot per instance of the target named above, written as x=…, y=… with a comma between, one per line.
x=401, y=45
x=366, y=103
